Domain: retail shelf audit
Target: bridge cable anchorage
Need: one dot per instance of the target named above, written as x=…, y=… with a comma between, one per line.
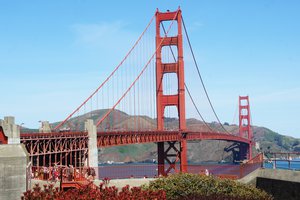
x=196, y=65
x=137, y=78
x=106, y=80
x=172, y=52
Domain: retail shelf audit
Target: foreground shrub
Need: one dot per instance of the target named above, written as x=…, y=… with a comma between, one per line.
x=90, y=193
x=194, y=186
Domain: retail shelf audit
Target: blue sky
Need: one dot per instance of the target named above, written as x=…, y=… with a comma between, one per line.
x=54, y=53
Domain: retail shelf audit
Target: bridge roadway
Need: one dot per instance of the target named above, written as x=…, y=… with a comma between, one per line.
x=116, y=138
x=72, y=148
x=62, y=147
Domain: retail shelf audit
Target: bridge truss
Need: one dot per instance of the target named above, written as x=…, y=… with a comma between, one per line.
x=48, y=149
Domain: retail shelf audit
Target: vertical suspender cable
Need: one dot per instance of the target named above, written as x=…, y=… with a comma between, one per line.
x=188, y=89
x=113, y=72
x=206, y=93
x=135, y=80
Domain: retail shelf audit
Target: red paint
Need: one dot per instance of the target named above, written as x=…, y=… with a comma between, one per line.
x=245, y=122
x=3, y=137
x=177, y=100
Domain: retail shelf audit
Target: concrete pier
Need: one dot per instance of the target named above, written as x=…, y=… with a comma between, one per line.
x=92, y=144
x=45, y=127
x=11, y=130
x=13, y=168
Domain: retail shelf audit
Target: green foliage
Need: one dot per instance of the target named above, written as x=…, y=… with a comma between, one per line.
x=135, y=152
x=272, y=141
x=194, y=186
x=296, y=142
x=226, y=123
x=297, y=149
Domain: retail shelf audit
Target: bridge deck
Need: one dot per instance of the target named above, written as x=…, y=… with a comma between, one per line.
x=116, y=138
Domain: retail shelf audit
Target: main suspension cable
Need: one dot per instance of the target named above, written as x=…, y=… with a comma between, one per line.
x=137, y=78
x=106, y=80
x=187, y=87
x=206, y=93
x=196, y=107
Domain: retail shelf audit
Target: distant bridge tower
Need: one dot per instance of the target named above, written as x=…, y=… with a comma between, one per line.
x=245, y=126
x=172, y=155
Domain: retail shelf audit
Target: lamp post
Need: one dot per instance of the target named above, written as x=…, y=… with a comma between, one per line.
x=21, y=126
x=41, y=126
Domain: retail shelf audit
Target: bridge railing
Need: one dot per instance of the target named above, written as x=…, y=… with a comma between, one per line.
x=63, y=173
x=251, y=165
x=147, y=170
x=283, y=160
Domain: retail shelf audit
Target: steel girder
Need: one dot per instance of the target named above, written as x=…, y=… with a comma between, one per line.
x=105, y=139
x=117, y=138
x=46, y=149
x=66, y=148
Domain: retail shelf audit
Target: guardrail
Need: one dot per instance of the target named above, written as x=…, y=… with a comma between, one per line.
x=123, y=171
x=63, y=173
x=251, y=165
x=283, y=160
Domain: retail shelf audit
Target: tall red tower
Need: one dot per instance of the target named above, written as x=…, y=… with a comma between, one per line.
x=178, y=100
x=245, y=124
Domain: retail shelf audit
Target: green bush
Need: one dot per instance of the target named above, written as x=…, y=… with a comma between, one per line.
x=194, y=186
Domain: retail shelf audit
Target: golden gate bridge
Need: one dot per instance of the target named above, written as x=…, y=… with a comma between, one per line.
x=138, y=90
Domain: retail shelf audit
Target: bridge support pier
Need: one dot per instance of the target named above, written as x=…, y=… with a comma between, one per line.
x=176, y=151
x=45, y=127
x=240, y=151
x=245, y=151
x=92, y=145
x=14, y=177
x=245, y=126
x=170, y=158
x=183, y=156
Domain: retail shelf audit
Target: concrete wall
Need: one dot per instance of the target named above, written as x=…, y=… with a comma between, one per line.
x=279, y=189
x=278, y=174
x=282, y=184
x=11, y=130
x=13, y=163
x=45, y=127
x=93, y=150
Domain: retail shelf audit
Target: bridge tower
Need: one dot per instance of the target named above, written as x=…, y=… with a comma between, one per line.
x=167, y=155
x=245, y=126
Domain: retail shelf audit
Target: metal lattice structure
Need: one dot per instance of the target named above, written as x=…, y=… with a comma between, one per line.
x=47, y=149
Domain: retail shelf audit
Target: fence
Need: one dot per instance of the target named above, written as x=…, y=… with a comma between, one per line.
x=67, y=174
x=251, y=165
x=63, y=173
x=283, y=160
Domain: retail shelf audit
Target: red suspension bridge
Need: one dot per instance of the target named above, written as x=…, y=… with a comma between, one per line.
x=139, y=91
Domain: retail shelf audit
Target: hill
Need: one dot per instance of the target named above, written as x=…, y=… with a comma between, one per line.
x=198, y=151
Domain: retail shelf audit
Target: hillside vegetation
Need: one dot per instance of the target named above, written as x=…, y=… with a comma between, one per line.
x=198, y=151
